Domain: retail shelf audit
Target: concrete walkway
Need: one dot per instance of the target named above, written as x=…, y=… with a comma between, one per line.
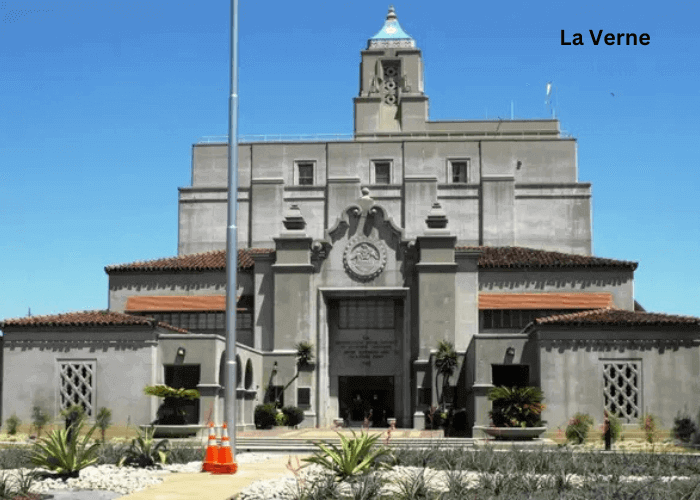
x=186, y=486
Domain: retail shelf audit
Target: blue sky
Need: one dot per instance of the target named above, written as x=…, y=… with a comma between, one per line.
x=100, y=103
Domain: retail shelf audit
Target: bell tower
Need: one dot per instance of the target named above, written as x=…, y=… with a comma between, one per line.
x=391, y=96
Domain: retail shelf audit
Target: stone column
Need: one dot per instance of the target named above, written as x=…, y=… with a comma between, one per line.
x=294, y=309
x=436, y=270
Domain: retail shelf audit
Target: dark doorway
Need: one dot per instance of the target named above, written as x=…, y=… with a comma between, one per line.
x=510, y=375
x=186, y=377
x=366, y=397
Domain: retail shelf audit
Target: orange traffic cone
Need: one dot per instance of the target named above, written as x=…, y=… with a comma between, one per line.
x=212, y=456
x=225, y=464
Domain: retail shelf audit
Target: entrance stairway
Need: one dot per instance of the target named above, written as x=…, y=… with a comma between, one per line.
x=301, y=440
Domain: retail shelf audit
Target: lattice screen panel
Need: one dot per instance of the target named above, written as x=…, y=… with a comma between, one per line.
x=77, y=384
x=622, y=389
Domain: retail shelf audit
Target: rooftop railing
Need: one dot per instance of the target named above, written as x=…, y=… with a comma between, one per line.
x=223, y=139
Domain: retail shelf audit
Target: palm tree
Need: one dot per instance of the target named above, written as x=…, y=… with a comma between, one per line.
x=445, y=364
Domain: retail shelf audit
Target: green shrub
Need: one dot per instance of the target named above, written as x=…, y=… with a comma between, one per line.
x=684, y=428
x=354, y=457
x=12, y=424
x=63, y=455
x=144, y=451
x=649, y=424
x=40, y=418
x=294, y=415
x=578, y=427
x=615, y=427
x=516, y=406
x=264, y=416
x=103, y=421
x=280, y=419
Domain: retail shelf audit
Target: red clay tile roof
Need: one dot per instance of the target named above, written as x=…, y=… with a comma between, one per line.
x=172, y=328
x=82, y=318
x=617, y=317
x=519, y=257
x=207, y=261
x=581, y=300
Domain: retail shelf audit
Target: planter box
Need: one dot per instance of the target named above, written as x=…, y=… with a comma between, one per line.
x=512, y=433
x=175, y=431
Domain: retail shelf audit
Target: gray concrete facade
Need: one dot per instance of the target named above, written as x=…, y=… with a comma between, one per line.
x=374, y=250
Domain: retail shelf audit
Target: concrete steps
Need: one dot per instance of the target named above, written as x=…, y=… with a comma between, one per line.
x=306, y=444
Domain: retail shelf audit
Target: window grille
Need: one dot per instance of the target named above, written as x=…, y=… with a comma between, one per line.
x=622, y=389
x=365, y=314
x=77, y=385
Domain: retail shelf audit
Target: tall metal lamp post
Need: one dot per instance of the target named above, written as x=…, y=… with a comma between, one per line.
x=232, y=237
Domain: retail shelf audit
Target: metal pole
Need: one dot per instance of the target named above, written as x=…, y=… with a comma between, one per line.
x=232, y=237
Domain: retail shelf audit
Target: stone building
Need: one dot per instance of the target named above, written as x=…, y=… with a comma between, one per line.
x=373, y=250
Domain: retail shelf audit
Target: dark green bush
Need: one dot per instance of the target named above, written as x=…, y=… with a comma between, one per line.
x=295, y=415
x=265, y=416
x=684, y=428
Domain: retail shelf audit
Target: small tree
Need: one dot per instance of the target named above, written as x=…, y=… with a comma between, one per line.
x=445, y=365
x=304, y=357
x=40, y=418
x=103, y=421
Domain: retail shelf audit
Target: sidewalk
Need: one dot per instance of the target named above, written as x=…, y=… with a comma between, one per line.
x=186, y=486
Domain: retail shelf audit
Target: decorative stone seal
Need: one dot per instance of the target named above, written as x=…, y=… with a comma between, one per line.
x=364, y=259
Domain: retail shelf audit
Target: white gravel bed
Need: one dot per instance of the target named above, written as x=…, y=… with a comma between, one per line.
x=436, y=481
x=122, y=480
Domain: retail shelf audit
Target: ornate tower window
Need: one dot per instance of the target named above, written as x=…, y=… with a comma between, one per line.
x=77, y=385
x=390, y=82
x=622, y=388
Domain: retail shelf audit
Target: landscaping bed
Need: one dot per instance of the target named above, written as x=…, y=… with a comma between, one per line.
x=445, y=474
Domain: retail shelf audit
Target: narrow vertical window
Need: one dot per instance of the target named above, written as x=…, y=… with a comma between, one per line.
x=305, y=173
x=382, y=172
x=459, y=170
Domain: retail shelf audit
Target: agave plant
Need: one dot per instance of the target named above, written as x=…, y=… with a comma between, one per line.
x=144, y=451
x=354, y=457
x=65, y=456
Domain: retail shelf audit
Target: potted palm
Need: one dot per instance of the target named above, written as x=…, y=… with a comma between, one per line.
x=172, y=412
x=516, y=413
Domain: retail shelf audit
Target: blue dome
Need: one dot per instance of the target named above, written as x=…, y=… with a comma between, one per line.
x=391, y=34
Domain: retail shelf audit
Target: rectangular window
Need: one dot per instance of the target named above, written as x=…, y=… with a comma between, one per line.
x=305, y=173
x=382, y=172
x=510, y=375
x=304, y=397
x=459, y=169
x=77, y=385
x=515, y=319
x=622, y=388
x=185, y=377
